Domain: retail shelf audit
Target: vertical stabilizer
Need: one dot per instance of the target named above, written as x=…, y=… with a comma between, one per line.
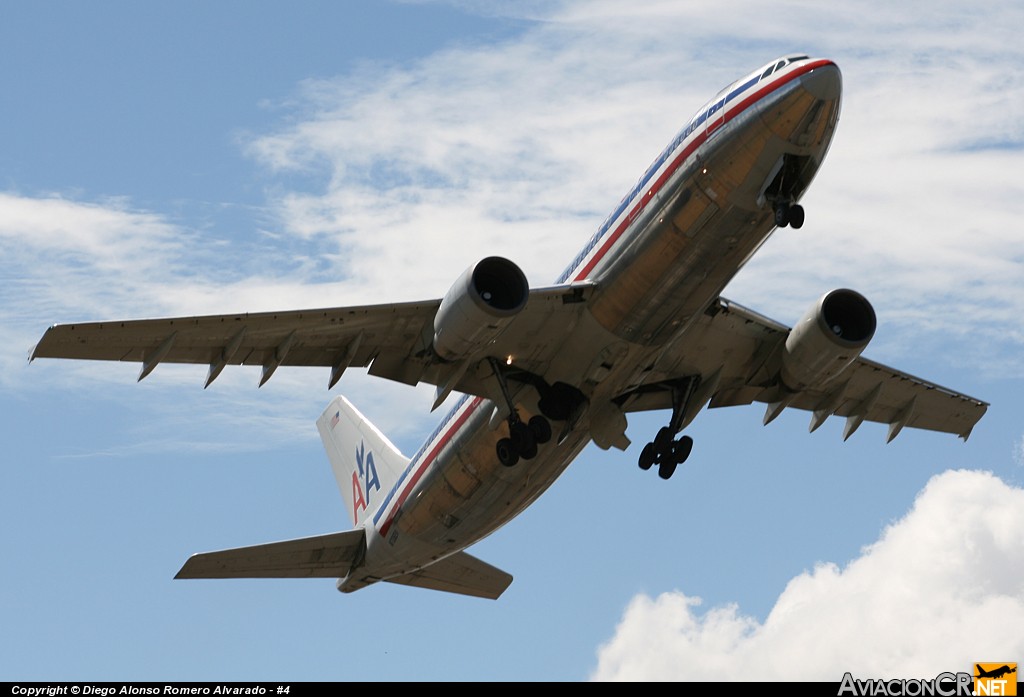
x=365, y=462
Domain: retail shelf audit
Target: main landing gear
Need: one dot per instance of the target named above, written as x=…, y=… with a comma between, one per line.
x=664, y=451
x=523, y=437
x=789, y=214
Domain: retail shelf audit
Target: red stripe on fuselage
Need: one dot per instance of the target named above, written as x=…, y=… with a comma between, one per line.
x=698, y=140
x=426, y=461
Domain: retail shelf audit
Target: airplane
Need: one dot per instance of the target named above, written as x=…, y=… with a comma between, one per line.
x=635, y=322
x=995, y=673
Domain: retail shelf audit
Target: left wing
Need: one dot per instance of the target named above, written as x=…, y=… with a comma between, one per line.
x=735, y=353
x=393, y=340
x=334, y=337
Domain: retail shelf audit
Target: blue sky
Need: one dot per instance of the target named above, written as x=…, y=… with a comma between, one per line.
x=192, y=158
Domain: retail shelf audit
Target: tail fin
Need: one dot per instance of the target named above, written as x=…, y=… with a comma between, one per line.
x=364, y=461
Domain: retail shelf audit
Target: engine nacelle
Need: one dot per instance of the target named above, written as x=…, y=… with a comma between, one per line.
x=827, y=339
x=478, y=306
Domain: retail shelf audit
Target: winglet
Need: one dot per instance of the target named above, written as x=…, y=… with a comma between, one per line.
x=967, y=434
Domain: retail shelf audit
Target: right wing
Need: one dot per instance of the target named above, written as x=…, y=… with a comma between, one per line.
x=733, y=350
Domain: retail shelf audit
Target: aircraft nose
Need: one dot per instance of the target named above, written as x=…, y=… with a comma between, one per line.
x=824, y=82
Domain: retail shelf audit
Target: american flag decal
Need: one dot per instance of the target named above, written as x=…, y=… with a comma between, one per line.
x=334, y=419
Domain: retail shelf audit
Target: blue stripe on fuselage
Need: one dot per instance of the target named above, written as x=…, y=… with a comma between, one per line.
x=694, y=123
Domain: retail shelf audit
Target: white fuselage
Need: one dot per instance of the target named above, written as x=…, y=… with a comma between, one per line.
x=658, y=261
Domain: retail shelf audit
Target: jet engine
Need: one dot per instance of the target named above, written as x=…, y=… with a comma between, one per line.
x=478, y=307
x=827, y=339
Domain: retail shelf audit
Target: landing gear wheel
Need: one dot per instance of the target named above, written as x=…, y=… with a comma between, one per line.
x=560, y=401
x=681, y=449
x=523, y=440
x=782, y=214
x=647, y=456
x=541, y=429
x=507, y=454
x=664, y=439
x=667, y=468
x=796, y=216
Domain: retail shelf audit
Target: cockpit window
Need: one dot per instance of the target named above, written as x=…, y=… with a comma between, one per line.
x=782, y=63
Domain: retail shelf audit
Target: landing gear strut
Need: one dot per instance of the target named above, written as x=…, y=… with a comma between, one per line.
x=523, y=437
x=664, y=451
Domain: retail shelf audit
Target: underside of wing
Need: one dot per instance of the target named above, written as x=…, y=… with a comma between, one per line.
x=322, y=556
x=397, y=341
x=737, y=357
x=330, y=337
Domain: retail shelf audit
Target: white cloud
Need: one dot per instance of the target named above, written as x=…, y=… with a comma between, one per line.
x=60, y=254
x=943, y=587
x=520, y=148
x=65, y=260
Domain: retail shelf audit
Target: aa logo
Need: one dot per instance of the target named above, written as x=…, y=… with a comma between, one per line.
x=364, y=479
x=995, y=678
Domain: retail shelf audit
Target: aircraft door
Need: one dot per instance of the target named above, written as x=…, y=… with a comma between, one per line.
x=716, y=116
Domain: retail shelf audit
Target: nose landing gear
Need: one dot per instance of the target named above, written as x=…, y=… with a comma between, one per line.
x=789, y=181
x=789, y=214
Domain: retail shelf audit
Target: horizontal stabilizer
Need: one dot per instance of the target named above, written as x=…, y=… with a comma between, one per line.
x=460, y=573
x=324, y=556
